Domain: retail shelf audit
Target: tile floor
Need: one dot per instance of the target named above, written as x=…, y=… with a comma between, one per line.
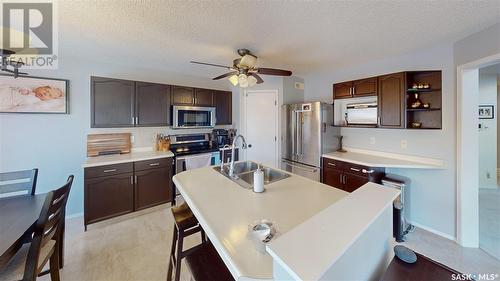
x=489, y=221
x=136, y=247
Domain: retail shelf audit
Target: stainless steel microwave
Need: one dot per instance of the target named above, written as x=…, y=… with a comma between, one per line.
x=186, y=117
x=362, y=113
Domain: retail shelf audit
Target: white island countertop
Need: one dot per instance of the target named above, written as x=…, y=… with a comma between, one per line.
x=301, y=210
x=384, y=159
x=225, y=210
x=137, y=155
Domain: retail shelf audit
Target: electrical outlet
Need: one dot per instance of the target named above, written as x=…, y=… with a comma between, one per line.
x=404, y=144
x=372, y=140
x=132, y=139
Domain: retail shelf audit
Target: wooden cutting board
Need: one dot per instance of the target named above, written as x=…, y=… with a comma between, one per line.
x=104, y=144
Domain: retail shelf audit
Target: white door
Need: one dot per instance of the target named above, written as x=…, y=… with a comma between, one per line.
x=261, y=124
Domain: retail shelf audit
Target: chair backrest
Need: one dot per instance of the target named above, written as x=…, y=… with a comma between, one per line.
x=47, y=226
x=18, y=182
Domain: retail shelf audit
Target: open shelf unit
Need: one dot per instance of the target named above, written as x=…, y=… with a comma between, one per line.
x=431, y=118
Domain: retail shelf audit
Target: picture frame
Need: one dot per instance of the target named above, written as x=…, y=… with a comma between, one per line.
x=486, y=112
x=33, y=95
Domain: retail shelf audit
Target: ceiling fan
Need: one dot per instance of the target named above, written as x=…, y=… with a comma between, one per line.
x=244, y=70
x=7, y=63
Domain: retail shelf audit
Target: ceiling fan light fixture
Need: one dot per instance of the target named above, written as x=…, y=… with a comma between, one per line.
x=233, y=79
x=248, y=61
x=243, y=80
x=251, y=81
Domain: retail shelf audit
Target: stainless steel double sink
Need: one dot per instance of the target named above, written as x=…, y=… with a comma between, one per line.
x=243, y=173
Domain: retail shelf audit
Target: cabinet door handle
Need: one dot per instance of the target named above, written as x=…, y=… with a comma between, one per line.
x=367, y=171
x=345, y=179
x=132, y=180
x=350, y=91
x=341, y=178
x=331, y=164
x=154, y=164
x=109, y=171
x=353, y=90
x=135, y=179
x=354, y=169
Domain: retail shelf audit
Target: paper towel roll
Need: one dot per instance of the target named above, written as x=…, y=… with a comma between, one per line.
x=258, y=181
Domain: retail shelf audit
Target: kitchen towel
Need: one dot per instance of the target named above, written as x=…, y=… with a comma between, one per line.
x=198, y=161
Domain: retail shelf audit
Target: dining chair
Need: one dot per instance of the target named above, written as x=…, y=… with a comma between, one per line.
x=18, y=182
x=46, y=240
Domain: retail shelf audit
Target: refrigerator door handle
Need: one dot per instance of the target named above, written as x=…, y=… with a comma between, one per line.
x=299, y=133
x=294, y=132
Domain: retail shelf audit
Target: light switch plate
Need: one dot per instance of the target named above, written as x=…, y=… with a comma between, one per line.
x=132, y=139
x=372, y=140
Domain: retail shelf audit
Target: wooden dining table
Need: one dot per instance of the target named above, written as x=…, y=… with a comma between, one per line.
x=18, y=216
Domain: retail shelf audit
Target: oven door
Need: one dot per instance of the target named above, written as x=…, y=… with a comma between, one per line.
x=193, y=117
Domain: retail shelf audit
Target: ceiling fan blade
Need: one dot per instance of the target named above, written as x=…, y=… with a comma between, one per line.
x=274, y=71
x=259, y=79
x=210, y=64
x=226, y=75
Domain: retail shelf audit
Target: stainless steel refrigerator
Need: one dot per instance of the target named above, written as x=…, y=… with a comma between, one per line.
x=307, y=133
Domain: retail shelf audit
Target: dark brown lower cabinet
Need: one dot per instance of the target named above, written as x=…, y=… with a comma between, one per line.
x=114, y=190
x=348, y=176
x=333, y=177
x=152, y=187
x=353, y=182
x=108, y=196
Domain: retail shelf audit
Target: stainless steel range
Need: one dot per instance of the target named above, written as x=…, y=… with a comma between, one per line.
x=192, y=145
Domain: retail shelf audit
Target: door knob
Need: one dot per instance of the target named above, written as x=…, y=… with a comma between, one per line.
x=249, y=146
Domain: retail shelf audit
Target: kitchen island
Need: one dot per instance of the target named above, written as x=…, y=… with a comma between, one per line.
x=225, y=210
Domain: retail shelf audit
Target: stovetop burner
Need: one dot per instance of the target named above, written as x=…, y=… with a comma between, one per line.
x=191, y=144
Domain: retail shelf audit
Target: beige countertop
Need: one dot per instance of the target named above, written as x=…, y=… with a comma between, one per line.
x=384, y=159
x=225, y=210
x=310, y=249
x=135, y=155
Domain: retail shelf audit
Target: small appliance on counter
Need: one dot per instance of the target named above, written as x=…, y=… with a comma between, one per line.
x=220, y=137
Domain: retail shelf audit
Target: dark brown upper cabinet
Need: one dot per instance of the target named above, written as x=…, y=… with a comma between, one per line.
x=111, y=102
x=152, y=104
x=203, y=97
x=365, y=87
x=223, y=107
x=357, y=88
x=342, y=90
x=182, y=95
x=124, y=103
x=391, y=100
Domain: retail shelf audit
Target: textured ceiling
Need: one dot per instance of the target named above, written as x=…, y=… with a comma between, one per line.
x=303, y=36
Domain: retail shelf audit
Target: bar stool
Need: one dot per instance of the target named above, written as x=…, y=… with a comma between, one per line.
x=185, y=224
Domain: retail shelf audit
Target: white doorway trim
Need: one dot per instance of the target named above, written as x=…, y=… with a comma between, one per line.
x=276, y=124
x=468, y=150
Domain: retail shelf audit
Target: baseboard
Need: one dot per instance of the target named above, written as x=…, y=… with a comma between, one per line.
x=432, y=230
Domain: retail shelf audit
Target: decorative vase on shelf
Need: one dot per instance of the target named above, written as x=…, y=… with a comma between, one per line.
x=417, y=103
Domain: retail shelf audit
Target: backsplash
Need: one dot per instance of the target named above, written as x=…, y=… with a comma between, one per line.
x=145, y=136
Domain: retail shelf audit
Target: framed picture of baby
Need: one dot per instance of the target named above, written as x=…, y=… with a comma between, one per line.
x=33, y=95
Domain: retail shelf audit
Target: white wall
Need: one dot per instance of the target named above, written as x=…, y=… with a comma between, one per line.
x=488, y=132
x=56, y=144
x=432, y=192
